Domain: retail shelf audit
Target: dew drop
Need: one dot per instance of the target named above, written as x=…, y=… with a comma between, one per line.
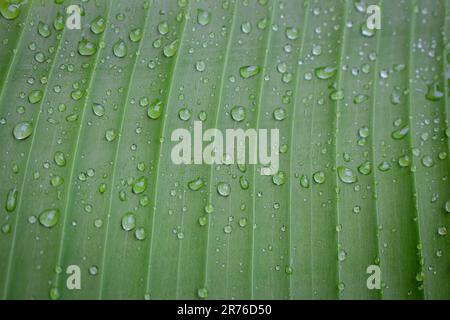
x=49, y=218
x=23, y=130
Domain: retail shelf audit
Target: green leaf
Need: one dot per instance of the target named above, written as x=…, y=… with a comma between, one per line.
x=86, y=170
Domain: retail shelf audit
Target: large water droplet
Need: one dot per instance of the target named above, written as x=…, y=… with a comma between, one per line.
x=170, y=49
x=128, y=221
x=49, y=218
x=98, y=25
x=86, y=47
x=44, y=29
x=238, y=113
x=23, y=130
x=35, y=96
x=427, y=161
x=346, y=175
x=224, y=189
x=135, y=35
x=98, y=109
x=9, y=9
x=120, y=49
x=203, y=17
x=319, y=177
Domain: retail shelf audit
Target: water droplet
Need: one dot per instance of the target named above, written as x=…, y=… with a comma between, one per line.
x=140, y=234
x=292, y=33
x=59, y=158
x=35, y=96
x=86, y=47
x=400, y=133
x=110, y=135
x=54, y=293
x=442, y=231
x=246, y=27
x=209, y=208
x=98, y=25
x=56, y=181
x=59, y=22
x=342, y=255
x=366, y=32
x=304, y=181
x=243, y=222
x=427, y=161
x=279, y=178
x=200, y=66
x=319, y=177
x=249, y=71
x=135, y=35
x=170, y=49
x=384, y=166
x=202, y=293
x=128, y=221
x=93, y=270
x=279, y=114
x=196, y=184
x=11, y=200
x=120, y=49
x=184, y=114
x=337, y=95
x=243, y=182
x=447, y=206
x=435, y=92
x=140, y=185
x=98, y=109
x=404, y=161
x=44, y=29
x=325, y=73
x=155, y=109
x=49, y=218
x=23, y=130
x=238, y=113
x=365, y=168
x=9, y=9
x=203, y=17
x=360, y=98
x=346, y=175
x=163, y=28
x=224, y=189
x=227, y=229
x=203, y=220
x=364, y=132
